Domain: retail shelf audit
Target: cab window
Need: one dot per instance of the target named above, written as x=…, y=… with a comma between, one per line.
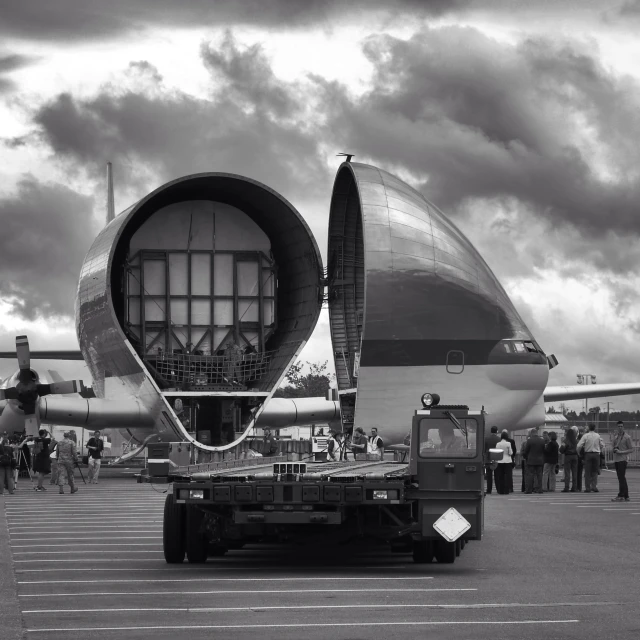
x=441, y=438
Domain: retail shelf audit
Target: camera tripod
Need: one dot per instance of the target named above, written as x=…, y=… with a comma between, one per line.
x=20, y=458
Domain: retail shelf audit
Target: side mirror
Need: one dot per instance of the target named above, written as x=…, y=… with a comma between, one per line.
x=495, y=455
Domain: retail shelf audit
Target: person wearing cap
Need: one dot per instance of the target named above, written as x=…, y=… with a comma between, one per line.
x=622, y=447
x=67, y=460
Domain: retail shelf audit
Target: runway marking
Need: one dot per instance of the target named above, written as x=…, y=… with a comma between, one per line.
x=619, y=509
x=258, y=608
x=110, y=560
x=22, y=553
x=170, y=569
x=225, y=592
x=296, y=579
x=18, y=537
x=88, y=544
x=301, y=625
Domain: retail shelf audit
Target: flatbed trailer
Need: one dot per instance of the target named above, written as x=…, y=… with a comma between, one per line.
x=429, y=505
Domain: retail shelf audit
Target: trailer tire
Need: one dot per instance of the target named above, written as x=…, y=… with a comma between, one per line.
x=422, y=551
x=173, y=523
x=445, y=552
x=196, y=544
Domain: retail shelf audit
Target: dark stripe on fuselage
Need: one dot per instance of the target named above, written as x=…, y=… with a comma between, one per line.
x=424, y=353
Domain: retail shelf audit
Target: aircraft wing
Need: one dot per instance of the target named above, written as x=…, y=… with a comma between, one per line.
x=581, y=391
x=46, y=355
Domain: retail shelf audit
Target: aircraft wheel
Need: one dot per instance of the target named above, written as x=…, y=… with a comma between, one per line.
x=422, y=551
x=196, y=544
x=173, y=542
x=445, y=552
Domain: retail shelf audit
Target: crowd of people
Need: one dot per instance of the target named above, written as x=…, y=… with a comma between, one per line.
x=582, y=452
x=42, y=455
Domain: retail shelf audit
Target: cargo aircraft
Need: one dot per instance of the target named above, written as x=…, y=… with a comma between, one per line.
x=194, y=302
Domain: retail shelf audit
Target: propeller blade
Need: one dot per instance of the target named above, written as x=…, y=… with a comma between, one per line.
x=22, y=352
x=10, y=393
x=32, y=424
x=64, y=386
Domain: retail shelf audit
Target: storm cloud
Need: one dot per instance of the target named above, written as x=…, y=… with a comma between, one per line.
x=540, y=127
x=89, y=19
x=12, y=62
x=46, y=231
x=252, y=125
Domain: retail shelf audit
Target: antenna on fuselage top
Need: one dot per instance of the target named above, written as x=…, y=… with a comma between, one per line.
x=111, y=209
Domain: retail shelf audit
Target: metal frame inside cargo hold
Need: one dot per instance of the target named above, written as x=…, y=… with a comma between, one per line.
x=205, y=305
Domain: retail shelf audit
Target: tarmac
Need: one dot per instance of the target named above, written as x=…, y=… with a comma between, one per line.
x=556, y=565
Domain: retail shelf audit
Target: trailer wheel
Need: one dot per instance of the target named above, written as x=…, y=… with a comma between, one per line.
x=173, y=531
x=422, y=551
x=445, y=552
x=196, y=544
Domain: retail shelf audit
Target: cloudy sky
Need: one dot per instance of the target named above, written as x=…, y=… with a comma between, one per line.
x=519, y=118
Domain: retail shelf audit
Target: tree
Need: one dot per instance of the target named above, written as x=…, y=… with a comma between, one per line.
x=306, y=385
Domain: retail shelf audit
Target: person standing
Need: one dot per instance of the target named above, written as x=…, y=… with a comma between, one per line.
x=54, y=463
x=96, y=447
x=550, y=461
x=7, y=465
x=334, y=448
x=591, y=444
x=376, y=445
x=67, y=459
x=504, y=472
x=490, y=441
x=42, y=457
x=269, y=446
x=534, y=455
x=622, y=447
x=570, y=450
x=359, y=444
x=579, y=434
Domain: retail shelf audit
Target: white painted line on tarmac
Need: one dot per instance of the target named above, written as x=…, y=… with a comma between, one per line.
x=301, y=625
x=93, y=560
x=258, y=608
x=88, y=544
x=20, y=539
x=229, y=592
x=619, y=509
x=22, y=553
x=305, y=579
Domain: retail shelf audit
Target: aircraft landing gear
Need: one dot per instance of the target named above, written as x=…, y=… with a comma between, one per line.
x=173, y=538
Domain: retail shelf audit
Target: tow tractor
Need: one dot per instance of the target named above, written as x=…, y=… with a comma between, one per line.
x=428, y=502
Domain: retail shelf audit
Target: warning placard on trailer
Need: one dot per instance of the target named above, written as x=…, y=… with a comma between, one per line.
x=451, y=525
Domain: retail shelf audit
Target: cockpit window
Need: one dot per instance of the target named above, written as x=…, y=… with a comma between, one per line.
x=441, y=439
x=519, y=347
x=507, y=347
x=530, y=347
